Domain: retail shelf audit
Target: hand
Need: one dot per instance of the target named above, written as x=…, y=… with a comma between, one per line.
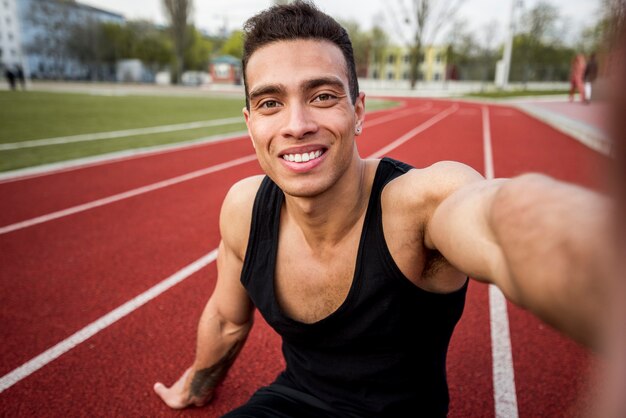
x=178, y=396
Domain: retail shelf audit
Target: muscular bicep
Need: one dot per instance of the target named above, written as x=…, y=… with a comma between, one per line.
x=461, y=230
x=230, y=300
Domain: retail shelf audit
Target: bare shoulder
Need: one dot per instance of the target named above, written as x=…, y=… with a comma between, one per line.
x=431, y=185
x=236, y=213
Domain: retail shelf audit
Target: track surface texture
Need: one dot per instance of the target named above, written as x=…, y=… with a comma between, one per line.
x=67, y=271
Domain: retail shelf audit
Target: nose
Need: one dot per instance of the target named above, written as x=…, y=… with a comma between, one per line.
x=299, y=123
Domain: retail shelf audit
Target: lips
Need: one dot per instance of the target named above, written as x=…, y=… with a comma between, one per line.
x=303, y=157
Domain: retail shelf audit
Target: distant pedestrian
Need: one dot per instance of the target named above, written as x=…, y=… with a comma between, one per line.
x=10, y=76
x=19, y=75
x=590, y=75
x=577, y=73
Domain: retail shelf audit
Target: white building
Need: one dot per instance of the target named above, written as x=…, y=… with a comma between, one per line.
x=34, y=33
x=11, y=52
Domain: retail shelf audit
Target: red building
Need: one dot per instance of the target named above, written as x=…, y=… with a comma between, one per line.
x=226, y=69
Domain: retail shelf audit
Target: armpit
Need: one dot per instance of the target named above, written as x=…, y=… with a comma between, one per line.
x=434, y=264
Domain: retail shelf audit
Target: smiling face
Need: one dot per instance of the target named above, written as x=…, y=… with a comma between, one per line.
x=301, y=119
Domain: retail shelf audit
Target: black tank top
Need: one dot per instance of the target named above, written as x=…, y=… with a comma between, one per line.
x=383, y=351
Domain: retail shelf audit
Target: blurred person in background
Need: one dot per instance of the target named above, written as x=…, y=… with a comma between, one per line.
x=576, y=77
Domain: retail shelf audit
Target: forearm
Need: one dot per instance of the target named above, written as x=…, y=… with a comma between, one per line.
x=555, y=243
x=218, y=345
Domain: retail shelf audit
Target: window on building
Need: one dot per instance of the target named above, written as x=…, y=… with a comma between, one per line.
x=10, y=36
x=389, y=75
x=405, y=75
x=438, y=58
x=391, y=59
x=437, y=76
x=407, y=58
x=375, y=74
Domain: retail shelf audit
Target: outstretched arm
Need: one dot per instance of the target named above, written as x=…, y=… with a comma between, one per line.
x=227, y=317
x=543, y=242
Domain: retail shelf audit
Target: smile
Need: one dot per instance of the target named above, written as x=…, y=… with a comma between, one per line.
x=303, y=158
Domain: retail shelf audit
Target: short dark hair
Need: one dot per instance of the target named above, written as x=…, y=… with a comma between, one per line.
x=298, y=20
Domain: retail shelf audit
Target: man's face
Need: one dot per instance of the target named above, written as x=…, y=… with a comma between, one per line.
x=301, y=119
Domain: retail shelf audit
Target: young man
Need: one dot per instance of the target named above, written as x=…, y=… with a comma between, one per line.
x=362, y=265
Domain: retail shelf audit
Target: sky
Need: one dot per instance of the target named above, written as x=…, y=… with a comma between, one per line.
x=211, y=15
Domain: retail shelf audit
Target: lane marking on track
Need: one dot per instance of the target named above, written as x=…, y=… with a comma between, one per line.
x=398, y=114
x=505, y=397
x=77, y=164
x=103, y=322
x=125, y=195
x=114, y=157
x=415, y=131
x=119, y=134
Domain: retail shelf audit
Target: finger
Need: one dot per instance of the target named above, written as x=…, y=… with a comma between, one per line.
x=166, y=396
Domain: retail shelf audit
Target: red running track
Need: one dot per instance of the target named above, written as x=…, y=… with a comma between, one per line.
x=63, y=274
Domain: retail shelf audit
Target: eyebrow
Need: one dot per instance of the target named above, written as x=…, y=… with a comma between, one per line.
x=267, y=89
x=323, y=81
x=280, y=89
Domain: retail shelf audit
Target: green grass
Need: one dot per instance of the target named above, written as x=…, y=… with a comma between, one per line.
x=38, y=115
x=34, y=115
x=379, y=104
x=517, y=93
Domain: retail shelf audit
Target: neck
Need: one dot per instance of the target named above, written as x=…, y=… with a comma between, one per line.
x=326, y=219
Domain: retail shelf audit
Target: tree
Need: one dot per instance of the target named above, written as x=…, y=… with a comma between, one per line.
x=472, y=59
x=49, y=40
x=233, y=45
x=538, y=51
x=360, y=45
x=197, y=55
x=178, y=13
x=136, y=39
x=86, y=43
x=423, y=19
x=378, y=44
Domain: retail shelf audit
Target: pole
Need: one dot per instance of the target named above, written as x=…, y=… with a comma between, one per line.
x=508, y=46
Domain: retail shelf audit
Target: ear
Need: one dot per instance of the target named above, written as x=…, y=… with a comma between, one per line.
x=359, y=112
x=246, y=116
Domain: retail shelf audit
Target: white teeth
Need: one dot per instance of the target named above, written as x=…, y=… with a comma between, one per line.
x=300, y=158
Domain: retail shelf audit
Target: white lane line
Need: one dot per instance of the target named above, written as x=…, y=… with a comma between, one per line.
x=487, y=148
x=415, y=131
x=103, y=322
x=114, y=157
x=396, y=115
x=125, y=195
x=119, y=134
x=504, y=393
